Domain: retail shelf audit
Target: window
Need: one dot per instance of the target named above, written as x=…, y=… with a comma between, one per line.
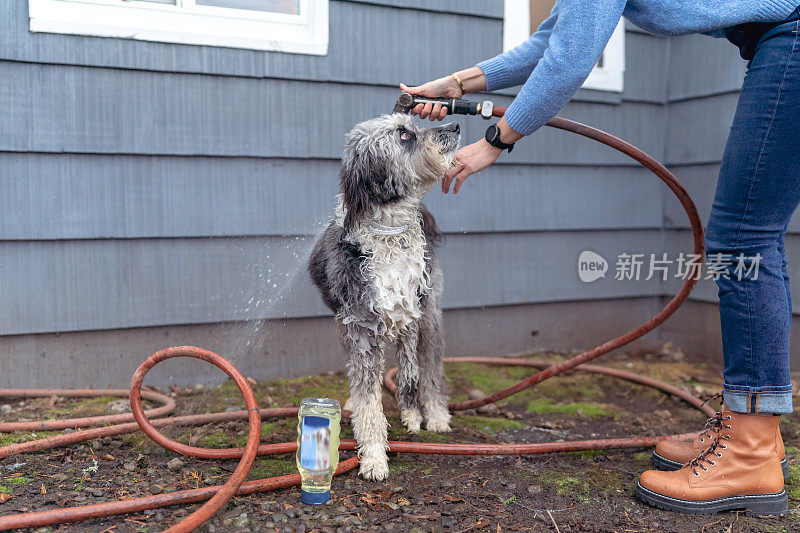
x=522, y=17
x=298, y=26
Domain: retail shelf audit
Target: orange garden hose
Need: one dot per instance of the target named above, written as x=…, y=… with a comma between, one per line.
x=216, y=496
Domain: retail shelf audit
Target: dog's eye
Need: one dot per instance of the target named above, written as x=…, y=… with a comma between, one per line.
x=405, y=136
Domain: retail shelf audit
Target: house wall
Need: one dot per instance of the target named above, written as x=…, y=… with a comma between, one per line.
x=154, y=194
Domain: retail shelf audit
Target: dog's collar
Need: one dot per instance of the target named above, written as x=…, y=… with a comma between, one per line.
x=379, y=229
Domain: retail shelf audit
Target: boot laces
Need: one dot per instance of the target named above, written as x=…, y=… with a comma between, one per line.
x=716, y=424
x=713, y=423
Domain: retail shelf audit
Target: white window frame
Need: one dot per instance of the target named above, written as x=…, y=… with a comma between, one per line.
x=187, y=23
x=609, y=77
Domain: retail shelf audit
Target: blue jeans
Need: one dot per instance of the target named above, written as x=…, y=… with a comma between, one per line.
x=757, y=193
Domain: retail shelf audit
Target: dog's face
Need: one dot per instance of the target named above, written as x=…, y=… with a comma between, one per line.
x=391, y=157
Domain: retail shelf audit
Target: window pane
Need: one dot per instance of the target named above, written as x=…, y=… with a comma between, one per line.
x=160, y=1
x=275, y=6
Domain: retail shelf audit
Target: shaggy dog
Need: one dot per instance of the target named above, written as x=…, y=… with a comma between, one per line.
x=376, y=270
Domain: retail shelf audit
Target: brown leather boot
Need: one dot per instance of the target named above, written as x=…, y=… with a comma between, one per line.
x=739, y=470
x=673, y=454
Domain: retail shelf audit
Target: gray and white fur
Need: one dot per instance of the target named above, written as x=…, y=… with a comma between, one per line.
x=376, y=269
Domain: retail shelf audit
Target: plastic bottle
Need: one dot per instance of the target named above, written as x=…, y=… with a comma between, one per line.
x=317, y=447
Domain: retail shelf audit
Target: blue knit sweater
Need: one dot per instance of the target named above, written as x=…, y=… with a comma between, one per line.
x=557, y=59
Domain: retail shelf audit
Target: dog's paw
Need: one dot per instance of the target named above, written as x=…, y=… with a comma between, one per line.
x=374, y=468
x=438, y=421
x=412, y=419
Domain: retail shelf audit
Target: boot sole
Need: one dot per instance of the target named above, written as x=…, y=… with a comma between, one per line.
x=663, y=463
x=757, y=505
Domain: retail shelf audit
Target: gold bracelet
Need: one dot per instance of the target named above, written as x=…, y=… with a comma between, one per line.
x=458, y=80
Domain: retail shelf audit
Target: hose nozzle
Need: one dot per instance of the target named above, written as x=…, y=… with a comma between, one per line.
x=455, y=106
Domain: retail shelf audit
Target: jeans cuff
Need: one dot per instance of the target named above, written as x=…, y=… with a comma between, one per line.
x=750, y=400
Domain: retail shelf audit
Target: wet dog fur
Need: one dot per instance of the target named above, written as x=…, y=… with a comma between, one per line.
x=376, y=270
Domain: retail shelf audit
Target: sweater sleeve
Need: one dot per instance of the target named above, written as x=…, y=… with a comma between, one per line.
x=579, y=36
x=514, y=66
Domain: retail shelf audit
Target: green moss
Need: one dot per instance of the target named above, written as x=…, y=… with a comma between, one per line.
x=592, y=481
x=563, y=483
x=395, y=467
x=22, y=480
x=269, y=429
x=7, y=439
x=486, y=423
x=273, y=466
x=578, y=386
x=588, y=454
x=85, y=406
x=543, y=406
x=221, y=440
x=430, y=436
x=643, y=456
x=4, y=490
x=287, y=392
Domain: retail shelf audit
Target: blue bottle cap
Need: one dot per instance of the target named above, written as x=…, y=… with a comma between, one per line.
x=315, y=498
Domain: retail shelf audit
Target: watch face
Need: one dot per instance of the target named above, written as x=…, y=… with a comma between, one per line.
x=492, y=133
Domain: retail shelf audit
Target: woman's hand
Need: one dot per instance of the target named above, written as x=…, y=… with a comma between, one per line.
x=446, y=87
x=468, y=161
x=472, y=80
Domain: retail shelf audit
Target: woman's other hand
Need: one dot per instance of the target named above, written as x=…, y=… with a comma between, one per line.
x=446, y=87
x=468, y=161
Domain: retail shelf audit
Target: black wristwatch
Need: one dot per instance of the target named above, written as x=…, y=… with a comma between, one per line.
x=493, y=138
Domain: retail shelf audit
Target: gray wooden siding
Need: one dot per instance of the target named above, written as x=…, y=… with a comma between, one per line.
x=87, y=285
x=120, y=159
x=79, y=196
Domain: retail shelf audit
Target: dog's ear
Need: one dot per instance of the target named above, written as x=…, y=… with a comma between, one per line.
x=365, y=181
x=353, y=179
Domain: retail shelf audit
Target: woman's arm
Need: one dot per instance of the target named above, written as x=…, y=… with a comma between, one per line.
x=514, y=66
x=579, y=36
x=577, y=41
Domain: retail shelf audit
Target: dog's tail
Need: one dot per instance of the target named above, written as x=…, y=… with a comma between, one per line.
x=432, y=233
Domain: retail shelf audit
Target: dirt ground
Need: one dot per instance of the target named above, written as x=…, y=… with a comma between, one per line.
x=582, y=491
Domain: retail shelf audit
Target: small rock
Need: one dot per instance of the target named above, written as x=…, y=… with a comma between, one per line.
x=93, y=491
x=476, y=394
x=241, y=521
x=280, y=517
x=512, y=486
x=534, y=489
x=129, y=466
x=488, y=409
x=232, y=408
x=5, y=408
x=448, y=484
x=174, y=465
x=68, y=431
x=118, y=407
x=670, y=352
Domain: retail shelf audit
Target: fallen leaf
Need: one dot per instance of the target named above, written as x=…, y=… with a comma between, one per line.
x=4, y=497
